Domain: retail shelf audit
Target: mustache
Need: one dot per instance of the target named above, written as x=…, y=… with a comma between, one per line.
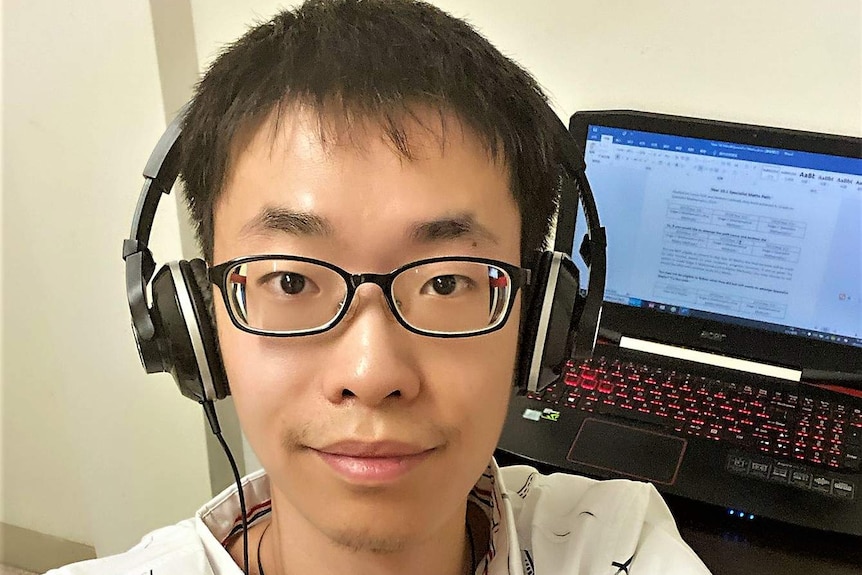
x=367, y=428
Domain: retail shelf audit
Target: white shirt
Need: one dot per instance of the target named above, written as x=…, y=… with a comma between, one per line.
x=540, y=525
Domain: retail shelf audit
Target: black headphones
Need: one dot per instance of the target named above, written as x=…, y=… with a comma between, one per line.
x=175, y=333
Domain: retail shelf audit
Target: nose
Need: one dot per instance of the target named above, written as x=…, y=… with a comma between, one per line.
x=373, y=360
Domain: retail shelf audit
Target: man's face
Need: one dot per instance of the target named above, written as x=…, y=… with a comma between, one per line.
x=371, y=435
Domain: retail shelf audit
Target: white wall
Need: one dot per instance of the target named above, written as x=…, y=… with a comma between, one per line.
x=92, y=450
x=82, y=109
x=789, y=63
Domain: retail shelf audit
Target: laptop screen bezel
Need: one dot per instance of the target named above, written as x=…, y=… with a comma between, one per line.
x=701, y=334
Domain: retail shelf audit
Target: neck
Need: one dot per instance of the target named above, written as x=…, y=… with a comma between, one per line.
x=293, y=545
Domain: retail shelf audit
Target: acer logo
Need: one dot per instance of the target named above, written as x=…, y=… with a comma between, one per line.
x=713, y=335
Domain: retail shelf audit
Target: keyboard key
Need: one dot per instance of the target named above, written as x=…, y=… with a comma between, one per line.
x=759, y=469
x=606, y=387
x=843, y=489
x=821, y=484
x=800, y=478
x=780, y=473
x=572, y=400
x=738, y=464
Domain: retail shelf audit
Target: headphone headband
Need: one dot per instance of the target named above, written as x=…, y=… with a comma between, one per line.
x=594, y=248
x=160, y=173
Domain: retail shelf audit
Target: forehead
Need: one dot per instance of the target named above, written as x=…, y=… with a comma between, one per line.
x=360, y=179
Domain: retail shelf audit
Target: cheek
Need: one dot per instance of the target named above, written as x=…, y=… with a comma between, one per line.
x=475, y=380
x=265, y=376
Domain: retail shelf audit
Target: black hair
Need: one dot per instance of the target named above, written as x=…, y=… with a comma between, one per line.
x=379, y=60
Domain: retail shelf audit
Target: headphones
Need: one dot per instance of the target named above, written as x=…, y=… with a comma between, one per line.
x=175, y=331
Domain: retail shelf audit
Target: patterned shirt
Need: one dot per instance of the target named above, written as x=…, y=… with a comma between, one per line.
x=556, y=524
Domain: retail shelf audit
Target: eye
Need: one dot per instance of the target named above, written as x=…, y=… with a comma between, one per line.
x=446, y=285
x=291, y=283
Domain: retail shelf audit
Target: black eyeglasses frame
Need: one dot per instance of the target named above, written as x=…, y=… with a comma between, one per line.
x=218, y=275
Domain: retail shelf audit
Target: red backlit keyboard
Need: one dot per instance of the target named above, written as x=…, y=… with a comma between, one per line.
x=792, y=426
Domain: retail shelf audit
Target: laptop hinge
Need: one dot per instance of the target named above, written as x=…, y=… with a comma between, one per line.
x=710, y=359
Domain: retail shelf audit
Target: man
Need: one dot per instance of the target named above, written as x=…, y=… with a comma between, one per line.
x=323, y=150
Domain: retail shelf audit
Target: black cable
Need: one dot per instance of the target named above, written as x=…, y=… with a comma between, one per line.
x=212, y=417
x=259, y=541
x=472, y=547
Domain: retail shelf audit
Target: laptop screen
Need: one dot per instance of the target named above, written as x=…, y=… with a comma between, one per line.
x=731, y=228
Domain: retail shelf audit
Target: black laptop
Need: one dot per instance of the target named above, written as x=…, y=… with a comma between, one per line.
x=729, y=363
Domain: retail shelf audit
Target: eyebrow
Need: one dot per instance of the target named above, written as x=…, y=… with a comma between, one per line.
x=273, y=219
x=462, y=226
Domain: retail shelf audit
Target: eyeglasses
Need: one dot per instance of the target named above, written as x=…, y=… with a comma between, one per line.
x=284, y=296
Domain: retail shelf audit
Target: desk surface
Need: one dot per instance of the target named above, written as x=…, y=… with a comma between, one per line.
x=731, y=546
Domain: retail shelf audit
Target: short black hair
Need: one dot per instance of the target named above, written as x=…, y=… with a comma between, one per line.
x=379, y=60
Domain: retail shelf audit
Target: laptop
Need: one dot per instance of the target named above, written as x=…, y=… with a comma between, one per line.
x=729, y=364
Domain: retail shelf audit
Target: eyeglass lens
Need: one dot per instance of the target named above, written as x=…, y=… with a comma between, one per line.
x=447, y=297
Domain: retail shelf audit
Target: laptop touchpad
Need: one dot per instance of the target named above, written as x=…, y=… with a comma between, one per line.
x=630, y=451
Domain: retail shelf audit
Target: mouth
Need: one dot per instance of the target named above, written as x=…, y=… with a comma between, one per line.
x=373, y=463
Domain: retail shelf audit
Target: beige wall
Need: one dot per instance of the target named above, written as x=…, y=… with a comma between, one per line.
x=96, y=452
x=93, y=450
x=790, y=63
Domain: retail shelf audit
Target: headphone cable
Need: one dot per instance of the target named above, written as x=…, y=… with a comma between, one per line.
x=212, y=417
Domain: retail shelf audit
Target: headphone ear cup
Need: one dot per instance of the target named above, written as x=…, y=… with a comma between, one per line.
x=531, y=309
x=202, y=300
x=185, y=331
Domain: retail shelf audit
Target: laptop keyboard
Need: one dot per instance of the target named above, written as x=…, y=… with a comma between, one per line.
x=789, y=426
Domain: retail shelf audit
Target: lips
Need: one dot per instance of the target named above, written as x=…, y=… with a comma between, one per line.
x=373, y=463
x=373, y=449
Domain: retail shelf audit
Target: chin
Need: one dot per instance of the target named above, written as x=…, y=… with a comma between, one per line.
x=381, y=523
x=370, y=540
